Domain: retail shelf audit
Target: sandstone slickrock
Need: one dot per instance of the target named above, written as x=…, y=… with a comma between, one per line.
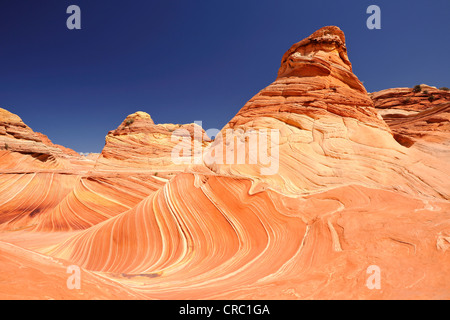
x=362, y=181
x=141, y=143
x=210, y=237
x=47, y=187
x=330, y=134
x=49, y=143
x=48, y=278
x=417, y=119
x=35, y=149
x=395, y=100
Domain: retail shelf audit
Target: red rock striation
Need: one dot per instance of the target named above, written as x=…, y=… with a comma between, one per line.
x=22, y=148
x=330, y=134
x=403, y=100
x=141, y=143
x=45, y=140
x=351, y=190
x=213, y=237
x=418, y=119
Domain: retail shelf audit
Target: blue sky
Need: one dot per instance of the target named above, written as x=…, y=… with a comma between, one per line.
x=185, y=61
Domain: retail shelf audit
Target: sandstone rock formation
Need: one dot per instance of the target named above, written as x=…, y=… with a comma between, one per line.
x=216, y=239
x=21, y=147
x=418, y=119
x=330, y=134
x=47, y=187
x=360, y=181
x=67, y=151
x=419, y=98
x=141, y=143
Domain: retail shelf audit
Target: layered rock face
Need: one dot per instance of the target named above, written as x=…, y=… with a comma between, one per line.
x=408, y=101
x=419, y=117
x=139, y=142
x=353, y=181
x=330, y=134
x=21, y=147
x=47, y=187
x=66, y=151
x=213, y=237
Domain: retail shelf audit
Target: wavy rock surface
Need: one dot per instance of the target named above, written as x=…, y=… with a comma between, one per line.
x=65, y=202
x=330, y=134
x=27, y=275
x=214, y=237
x=348, y=193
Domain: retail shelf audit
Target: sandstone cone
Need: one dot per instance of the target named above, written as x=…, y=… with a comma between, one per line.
x=330, y=134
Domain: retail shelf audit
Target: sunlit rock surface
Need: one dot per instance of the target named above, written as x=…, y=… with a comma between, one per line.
x=361, y=181
x=330, y=134
x=21, y=148
x=418, y=119
x=140, y=143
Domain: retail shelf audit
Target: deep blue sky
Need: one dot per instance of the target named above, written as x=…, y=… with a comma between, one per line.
x=182, y=61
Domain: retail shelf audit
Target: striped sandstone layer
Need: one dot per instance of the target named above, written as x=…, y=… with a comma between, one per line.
x=330, y=133
x=349, y=194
